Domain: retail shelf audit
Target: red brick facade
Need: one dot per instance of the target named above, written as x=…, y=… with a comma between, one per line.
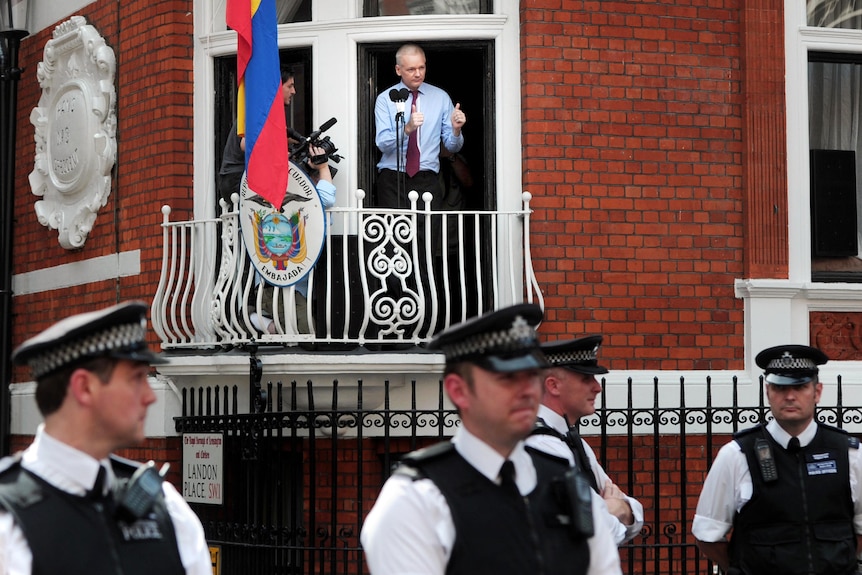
x=634, y=140
x=152, y=42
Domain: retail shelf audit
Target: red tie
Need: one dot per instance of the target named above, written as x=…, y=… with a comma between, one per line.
x=413, y=145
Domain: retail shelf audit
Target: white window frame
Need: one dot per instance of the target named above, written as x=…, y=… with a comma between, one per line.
x=777, y=310
x=334, y=34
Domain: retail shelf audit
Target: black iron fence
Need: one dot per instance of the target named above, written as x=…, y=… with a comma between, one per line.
x=300, y=477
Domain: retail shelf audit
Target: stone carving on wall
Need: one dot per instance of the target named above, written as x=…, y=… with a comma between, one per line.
x=75, y=123
x=837, y=334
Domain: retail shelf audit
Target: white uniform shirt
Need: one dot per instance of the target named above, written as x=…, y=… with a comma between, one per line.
x=553, y=445
x=409, y=531
x=728, y=486
x=75, y=472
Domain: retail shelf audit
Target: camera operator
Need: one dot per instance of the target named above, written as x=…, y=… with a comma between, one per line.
x=233, y=157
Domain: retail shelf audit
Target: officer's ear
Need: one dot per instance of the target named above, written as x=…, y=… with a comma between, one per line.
x=458, y=389
x=83, y=385
x=551, y=384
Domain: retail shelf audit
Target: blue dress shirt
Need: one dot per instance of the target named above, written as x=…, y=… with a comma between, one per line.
x=437, y=107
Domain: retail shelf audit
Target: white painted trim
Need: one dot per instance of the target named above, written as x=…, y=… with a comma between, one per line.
x=93, y=270
x=777, y=310
x=333, y=37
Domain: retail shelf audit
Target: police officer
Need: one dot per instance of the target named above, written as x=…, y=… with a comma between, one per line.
x=483, y=502
x=570, y=390
x=67, y=506
x=790, y=489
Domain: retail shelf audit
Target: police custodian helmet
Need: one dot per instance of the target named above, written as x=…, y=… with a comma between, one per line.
x=578, y=355
x=790, y=364
x=119, y=332
x=503, y=341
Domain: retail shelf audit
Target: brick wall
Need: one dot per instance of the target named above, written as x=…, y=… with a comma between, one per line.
x=632, y=151
x=152, y=42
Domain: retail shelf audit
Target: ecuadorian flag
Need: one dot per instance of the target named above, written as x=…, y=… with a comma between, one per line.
x=260, y=104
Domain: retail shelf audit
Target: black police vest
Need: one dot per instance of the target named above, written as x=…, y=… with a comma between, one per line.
x=802, y=522
x=572, y=439
x=73, y=535
x=498, y=533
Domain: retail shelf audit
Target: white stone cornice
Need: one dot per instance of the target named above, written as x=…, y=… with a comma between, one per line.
x=831, y=39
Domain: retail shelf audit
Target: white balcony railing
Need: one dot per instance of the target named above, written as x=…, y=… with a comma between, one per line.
x=376, y=281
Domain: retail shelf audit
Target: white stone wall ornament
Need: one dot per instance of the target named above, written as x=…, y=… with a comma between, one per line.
x=75, y=130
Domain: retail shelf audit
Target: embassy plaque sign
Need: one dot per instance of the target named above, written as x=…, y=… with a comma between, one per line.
x=284, y=244
x=75, y=124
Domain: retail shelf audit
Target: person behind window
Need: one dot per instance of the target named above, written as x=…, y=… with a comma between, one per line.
x=430, y=118
x=233, y=158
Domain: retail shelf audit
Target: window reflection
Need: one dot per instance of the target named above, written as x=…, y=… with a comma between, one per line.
x=835, y=13
x=288, y=11
x=834, y=122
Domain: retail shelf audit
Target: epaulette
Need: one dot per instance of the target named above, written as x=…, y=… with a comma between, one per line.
x=10, y=461
x=542, y=428
x=832, y=428
x=123, y=467
x=16, y=487
x=549, y=456
x=410, y=464
x=749, y=431
x=852, y=442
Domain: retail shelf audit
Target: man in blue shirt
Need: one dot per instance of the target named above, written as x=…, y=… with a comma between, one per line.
x=431, y=119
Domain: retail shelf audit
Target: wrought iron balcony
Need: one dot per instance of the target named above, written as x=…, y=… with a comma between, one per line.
x=383, y=278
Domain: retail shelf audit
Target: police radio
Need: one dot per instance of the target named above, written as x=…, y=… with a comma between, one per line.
x=763, y=451
x=576, y=495
x=136, y=498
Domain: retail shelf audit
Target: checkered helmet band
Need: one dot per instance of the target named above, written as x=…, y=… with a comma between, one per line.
x=787, y=362
x=514, y=339
x=569, y=357
x=113, y=338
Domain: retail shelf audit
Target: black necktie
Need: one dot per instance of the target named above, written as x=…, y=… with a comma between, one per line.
x=97, y=493
x=793, y=445
x=573, y=439
x=507, y=478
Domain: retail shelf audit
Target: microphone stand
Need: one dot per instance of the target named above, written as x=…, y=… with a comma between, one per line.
x=400, y=170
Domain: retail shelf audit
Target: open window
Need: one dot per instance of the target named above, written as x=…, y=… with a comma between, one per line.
x=834, y=123
x=298, y=114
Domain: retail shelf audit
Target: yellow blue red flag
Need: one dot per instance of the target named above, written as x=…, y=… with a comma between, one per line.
x=260, y=103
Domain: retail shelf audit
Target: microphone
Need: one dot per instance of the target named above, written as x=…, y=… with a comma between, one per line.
x=326, y=125
x=400, y=99
x=295, y=135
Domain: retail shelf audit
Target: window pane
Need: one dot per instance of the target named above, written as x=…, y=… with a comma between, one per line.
x=419, y=7
x=289, y=11
x=834, y=121
x=835, y=13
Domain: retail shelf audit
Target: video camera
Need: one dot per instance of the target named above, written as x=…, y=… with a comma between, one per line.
x=299, y=151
